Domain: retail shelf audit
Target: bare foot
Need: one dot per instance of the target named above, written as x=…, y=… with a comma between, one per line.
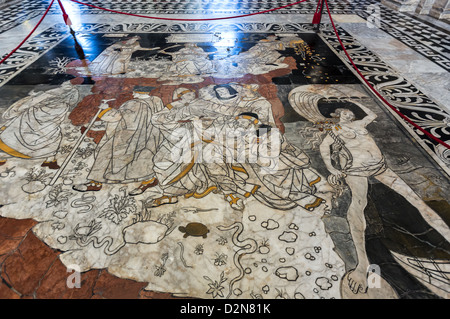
x=357, y=280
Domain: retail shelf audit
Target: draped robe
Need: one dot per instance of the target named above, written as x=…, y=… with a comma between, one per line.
x=125, y=153
x=34, y=123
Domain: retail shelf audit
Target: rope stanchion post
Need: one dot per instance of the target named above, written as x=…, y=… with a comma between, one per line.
x=317, y=18
x=66, y=17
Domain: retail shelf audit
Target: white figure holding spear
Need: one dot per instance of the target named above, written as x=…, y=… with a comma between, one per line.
x=103, y=106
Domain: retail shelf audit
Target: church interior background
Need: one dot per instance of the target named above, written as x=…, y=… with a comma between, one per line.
x=184, y=156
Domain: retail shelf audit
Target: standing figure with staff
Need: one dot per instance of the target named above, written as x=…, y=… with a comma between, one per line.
x=125, y=153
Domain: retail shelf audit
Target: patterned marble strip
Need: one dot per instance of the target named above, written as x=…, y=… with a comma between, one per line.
x=13, y=15
x=402, y=94
x=196, y=27
x=425, y=40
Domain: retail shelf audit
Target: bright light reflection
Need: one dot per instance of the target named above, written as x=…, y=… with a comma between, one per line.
x=84, y=41
x=73, y=12
x=27, y=25
x=226, y=39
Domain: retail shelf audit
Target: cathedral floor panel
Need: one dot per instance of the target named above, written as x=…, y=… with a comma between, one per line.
x=229, y=159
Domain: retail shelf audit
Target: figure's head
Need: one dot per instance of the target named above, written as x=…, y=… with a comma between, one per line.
x=70, y=94
x=142, y=91
x=225, y=92
x=64, y=90
x=270, y=38
x=67, y=85
x=343, y=115
x=246, y=121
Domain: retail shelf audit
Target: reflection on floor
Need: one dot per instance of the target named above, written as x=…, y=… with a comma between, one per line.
x=144, y=159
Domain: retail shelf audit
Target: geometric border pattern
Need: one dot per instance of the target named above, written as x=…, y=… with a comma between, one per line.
x=431, y=42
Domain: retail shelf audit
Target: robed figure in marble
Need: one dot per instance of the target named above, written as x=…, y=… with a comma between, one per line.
x=125, y=153
x=33, y=127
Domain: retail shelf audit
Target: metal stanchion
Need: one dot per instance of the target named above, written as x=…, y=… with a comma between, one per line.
x=66, y=17
x=318, y=15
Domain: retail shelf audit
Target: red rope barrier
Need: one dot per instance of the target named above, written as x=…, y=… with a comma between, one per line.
x=29, y=35
x=376, y=92
x=65, y=15
x=181, y=19
x=318, y=14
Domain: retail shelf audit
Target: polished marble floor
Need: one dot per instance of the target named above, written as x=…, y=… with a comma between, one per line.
x=229, y=159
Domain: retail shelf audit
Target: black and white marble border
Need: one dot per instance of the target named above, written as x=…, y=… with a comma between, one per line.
x=431, y=42
x=32, y=50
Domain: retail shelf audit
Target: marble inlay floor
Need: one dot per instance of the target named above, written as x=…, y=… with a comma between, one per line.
x=223, y=159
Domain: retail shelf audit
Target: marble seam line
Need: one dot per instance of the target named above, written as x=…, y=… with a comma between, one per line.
x=376, y=92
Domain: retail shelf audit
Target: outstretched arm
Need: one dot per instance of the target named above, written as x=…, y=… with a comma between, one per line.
x=148, y=49
x=371, y=116
x=169, y=53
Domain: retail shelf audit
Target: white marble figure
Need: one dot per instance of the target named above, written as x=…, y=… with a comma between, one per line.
x=191, y=63
x=350, y=153
x=194, y=159
x=115, y=59
x=33, y=127
x=261, y=58
x=126, y=151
